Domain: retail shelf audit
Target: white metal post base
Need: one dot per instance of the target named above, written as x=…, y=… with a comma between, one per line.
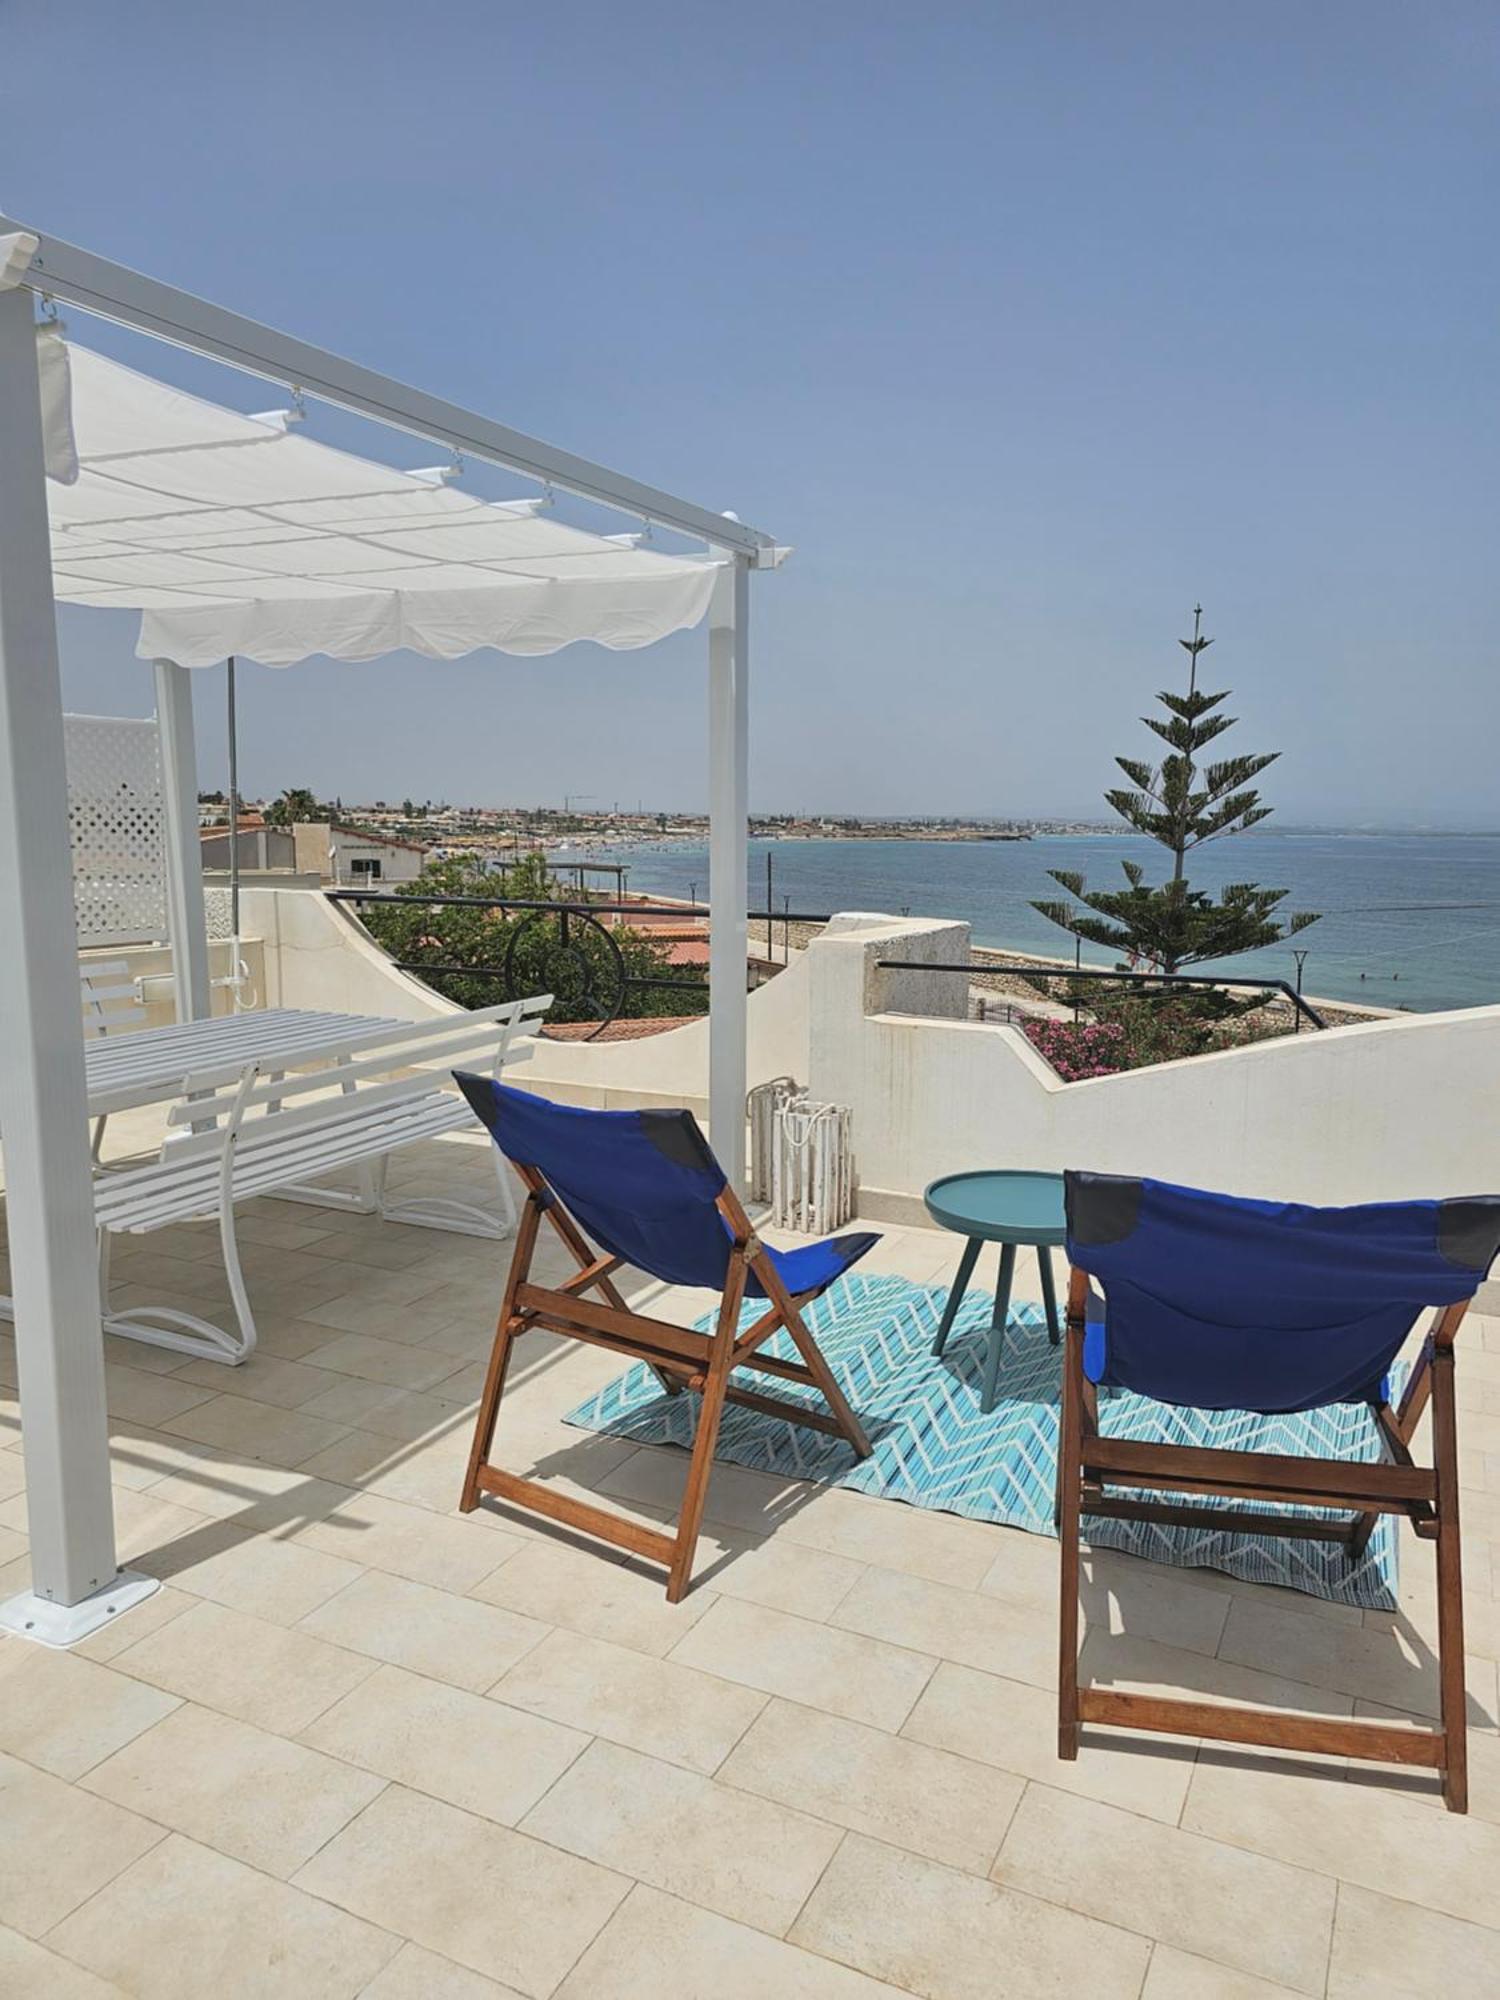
x=59, y=1625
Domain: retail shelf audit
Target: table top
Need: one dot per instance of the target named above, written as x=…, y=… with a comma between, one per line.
x=1001, y=1206
x=149, y=1064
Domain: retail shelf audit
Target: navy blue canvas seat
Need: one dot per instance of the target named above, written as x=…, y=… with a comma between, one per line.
x=1212, y=1301
x=642, y=1188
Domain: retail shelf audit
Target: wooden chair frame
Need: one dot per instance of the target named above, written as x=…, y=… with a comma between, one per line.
x=1088, y=1463
x=681, y=1356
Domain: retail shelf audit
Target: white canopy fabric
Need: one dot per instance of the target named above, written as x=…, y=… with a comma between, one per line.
x=234, y=534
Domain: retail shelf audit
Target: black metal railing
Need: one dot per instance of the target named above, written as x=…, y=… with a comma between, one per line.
x=582, y=962
x=1153, y=985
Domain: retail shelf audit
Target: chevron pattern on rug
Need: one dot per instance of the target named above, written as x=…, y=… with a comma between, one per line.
x=933, y=1448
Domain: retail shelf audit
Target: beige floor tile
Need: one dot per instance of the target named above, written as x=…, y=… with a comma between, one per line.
x=184, y=1922
x=1013, y=1726
x=975, y=1630
x=1122, y=1594
x=1378, y=1840
x=656, y=1944
x=392, y=1362
x=30, y=1972
x=1425, y=1786
x=415, y=1974
x=842, y=1672
x=668, y=1711
x=235, y=1423
x=278, y=1580
x=1384, y=1666
x=1389, y=1950
x=429, y=1474
x=1184, y=1889
x=247, y=1793
x=433, y=1632
x=459, y=1747
x=1139, y=1666
x=721, y=1849
x=143, y=1398
x=58, y=1845
x=774, y=1572
x=264, y=1378
x=66, y=1713
x=904, y=1793
x=159, y=1609
x=259, y=1499
x=562, y=1584
x=242, y=1666
x=453, y=1552
x=513, y=1909
x=1180, y=1975
x=944, y=1935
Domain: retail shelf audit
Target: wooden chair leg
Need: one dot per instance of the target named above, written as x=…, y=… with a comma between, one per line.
x=1453, y=1698
x=1069, y=1475
x=710, y=1412
x=812, y=1356
x=506, y=1328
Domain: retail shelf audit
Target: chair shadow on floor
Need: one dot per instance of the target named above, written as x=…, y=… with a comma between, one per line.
x=1113, y=1609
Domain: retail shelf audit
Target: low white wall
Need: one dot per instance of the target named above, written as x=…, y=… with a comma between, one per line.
x=318, y=955
x=1374, y=1111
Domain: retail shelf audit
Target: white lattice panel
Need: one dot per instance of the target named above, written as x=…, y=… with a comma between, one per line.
x=116, y=819
x=218, y=908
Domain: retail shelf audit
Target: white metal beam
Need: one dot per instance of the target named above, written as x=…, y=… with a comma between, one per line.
x=62, y=271
x=179, y=777
x=728, y=863
x=43, y=1106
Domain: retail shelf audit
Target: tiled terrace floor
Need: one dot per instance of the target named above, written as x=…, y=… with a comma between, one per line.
x=360, y=1745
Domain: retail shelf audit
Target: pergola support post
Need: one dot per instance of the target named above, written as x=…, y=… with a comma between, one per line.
x=186, y=922
x=728, y=862
x=43, y=1102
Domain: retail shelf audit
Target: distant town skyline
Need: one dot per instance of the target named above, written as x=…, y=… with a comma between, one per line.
x=1028, y=330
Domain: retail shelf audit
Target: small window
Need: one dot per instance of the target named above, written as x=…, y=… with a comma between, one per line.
x=360, y=864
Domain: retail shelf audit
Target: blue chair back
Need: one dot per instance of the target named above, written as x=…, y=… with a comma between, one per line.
x=1216, y=1302
x=642, y=1184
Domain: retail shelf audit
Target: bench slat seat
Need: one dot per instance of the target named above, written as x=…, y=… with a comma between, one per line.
x=268, y=1133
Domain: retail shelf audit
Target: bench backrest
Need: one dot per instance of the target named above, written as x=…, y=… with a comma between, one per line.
x=245, y=1106
x=112, y=1001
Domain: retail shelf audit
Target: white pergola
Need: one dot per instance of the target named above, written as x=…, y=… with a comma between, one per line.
x=234, y=534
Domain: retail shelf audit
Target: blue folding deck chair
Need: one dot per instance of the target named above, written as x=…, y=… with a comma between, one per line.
x=645, y=1188
x=1217, y=1303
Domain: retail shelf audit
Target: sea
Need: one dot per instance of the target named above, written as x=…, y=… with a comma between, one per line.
x=1407, y=920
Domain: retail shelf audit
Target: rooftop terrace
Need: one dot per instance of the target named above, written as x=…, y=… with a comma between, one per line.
x=360, y=1745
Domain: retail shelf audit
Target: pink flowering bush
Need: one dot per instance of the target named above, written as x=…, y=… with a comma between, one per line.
x=1078, y=1050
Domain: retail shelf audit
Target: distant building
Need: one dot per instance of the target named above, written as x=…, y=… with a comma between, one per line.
x=345, y=857
x=351, y=858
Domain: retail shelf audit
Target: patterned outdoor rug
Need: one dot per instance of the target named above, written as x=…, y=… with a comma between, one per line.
x=933, y=1448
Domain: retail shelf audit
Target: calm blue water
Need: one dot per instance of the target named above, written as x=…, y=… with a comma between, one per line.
x=1409, y=920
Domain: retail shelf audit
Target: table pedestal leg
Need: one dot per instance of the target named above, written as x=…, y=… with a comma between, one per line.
x=997, y=1327
x=956, y=1291
x=1049, y=1293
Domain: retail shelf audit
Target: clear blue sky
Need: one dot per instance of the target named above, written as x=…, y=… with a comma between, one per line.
x=1029, y=326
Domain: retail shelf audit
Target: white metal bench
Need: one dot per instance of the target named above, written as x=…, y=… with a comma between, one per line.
x=112, y=1005
x=241, y=1133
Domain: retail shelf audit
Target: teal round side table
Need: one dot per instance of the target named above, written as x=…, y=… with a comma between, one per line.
x=1008, y=1208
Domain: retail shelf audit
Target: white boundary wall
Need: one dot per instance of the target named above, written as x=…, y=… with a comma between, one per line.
x=1374, y=1111
x=1369, y=1112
